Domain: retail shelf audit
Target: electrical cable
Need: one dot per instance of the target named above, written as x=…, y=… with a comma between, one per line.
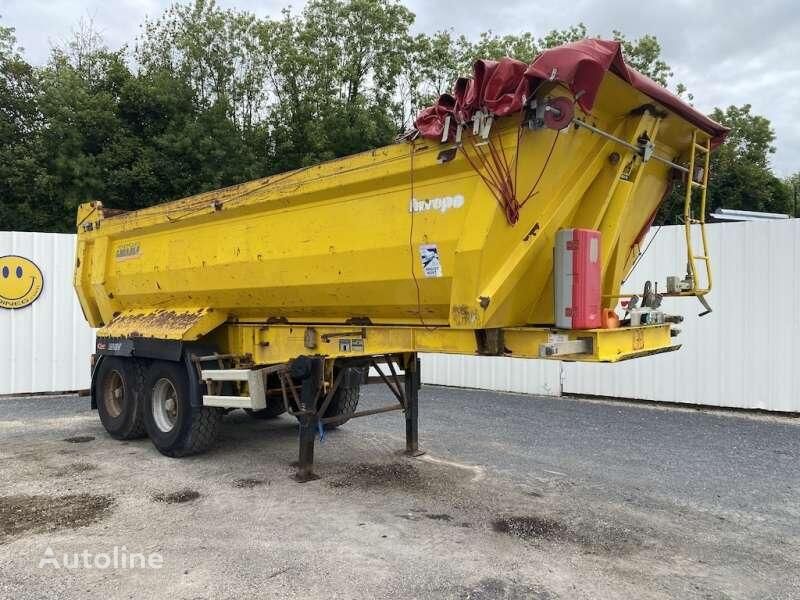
x=412, y=146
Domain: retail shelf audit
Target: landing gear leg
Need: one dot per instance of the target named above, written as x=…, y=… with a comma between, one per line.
x=305, y=463
x=412, y=384
x=308, y=418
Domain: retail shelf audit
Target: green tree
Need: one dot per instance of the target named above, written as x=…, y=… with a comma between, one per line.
x=334, y=73
x=437, y=60
x=558, y=37
x=740, y=176
x=218, y=96
x=219, y=53
x=793, y=185
x=19, y=123
x=644, y=55
x=740, y=172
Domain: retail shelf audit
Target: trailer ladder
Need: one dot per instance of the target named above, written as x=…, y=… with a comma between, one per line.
x=689, y=219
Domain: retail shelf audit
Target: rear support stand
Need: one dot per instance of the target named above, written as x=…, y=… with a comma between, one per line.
x=412, y=384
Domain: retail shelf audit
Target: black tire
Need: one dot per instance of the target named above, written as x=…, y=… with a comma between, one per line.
x=175, y=427
x=274, y=410
x=118, y=396
x=344, y=402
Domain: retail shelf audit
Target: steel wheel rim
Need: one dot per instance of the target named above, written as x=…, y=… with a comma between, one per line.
x=114, y=394
x=165, y=405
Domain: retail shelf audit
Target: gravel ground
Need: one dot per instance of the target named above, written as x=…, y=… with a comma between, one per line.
x=518, y=497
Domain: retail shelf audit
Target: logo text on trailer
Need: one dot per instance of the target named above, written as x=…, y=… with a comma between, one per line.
x=128, y=251
x=442, y=204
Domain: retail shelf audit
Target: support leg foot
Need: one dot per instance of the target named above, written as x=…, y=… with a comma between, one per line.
x=305, y=462
x=412, y=453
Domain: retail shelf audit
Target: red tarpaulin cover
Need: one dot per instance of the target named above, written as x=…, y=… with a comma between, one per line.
x=502, y=87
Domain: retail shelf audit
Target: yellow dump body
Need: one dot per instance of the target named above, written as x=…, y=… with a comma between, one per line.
x=341, y=243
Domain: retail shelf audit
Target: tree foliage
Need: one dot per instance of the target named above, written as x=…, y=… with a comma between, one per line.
x=207, y=97
x=740, y=175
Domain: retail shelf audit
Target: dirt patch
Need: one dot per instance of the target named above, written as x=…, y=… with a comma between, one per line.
x=74, y=469
x=368, y=475
x=79, y=439
x=21, y=513
x=528, y=528
x=594, y=536
x=440, y=517
x=491, y=589
x=248, y=483
x=184, y=495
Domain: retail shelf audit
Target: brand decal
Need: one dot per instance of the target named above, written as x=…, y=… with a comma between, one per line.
x=21, y=282
x=128, y=251
x=110, y=346
x=442, y=204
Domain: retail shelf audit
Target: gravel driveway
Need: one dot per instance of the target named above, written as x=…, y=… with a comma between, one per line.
x=518, y=497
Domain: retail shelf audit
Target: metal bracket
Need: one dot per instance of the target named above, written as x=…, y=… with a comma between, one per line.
x=327, y=337
x=582, y=346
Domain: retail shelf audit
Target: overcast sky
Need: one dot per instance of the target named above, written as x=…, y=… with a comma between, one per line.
x=732, y=52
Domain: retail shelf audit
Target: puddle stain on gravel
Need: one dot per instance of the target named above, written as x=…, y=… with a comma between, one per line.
x=597, y=537
x=179, y=497
x=248, y=483
x=368, y=475
x=79, y=439
x=492, y=589
x=23, y=513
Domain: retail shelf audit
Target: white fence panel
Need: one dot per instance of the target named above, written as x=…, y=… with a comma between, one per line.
x=742, y=354
x=45, y=347
x=493, y=373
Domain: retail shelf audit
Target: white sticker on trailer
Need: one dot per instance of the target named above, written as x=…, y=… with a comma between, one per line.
x=431, y=262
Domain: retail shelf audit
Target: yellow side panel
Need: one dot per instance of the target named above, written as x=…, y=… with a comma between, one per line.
x=352, y=240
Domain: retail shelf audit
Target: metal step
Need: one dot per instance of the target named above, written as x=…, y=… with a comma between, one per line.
x=256, y=385
x=225, y=374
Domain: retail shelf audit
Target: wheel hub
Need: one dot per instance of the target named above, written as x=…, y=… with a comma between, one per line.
x=164, y=404
x=114, y=394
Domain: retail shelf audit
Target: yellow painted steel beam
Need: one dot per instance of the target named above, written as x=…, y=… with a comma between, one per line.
x=269, y=344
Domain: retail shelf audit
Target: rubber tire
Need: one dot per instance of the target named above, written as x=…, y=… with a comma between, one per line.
x=129, y=424
x=344, y=401
x=196, y=427
x=274, y=410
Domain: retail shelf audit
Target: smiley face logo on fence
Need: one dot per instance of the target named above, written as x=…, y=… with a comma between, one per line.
x=21, y=281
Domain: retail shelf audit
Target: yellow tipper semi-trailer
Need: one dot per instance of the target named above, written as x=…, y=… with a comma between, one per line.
x=285, y=293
